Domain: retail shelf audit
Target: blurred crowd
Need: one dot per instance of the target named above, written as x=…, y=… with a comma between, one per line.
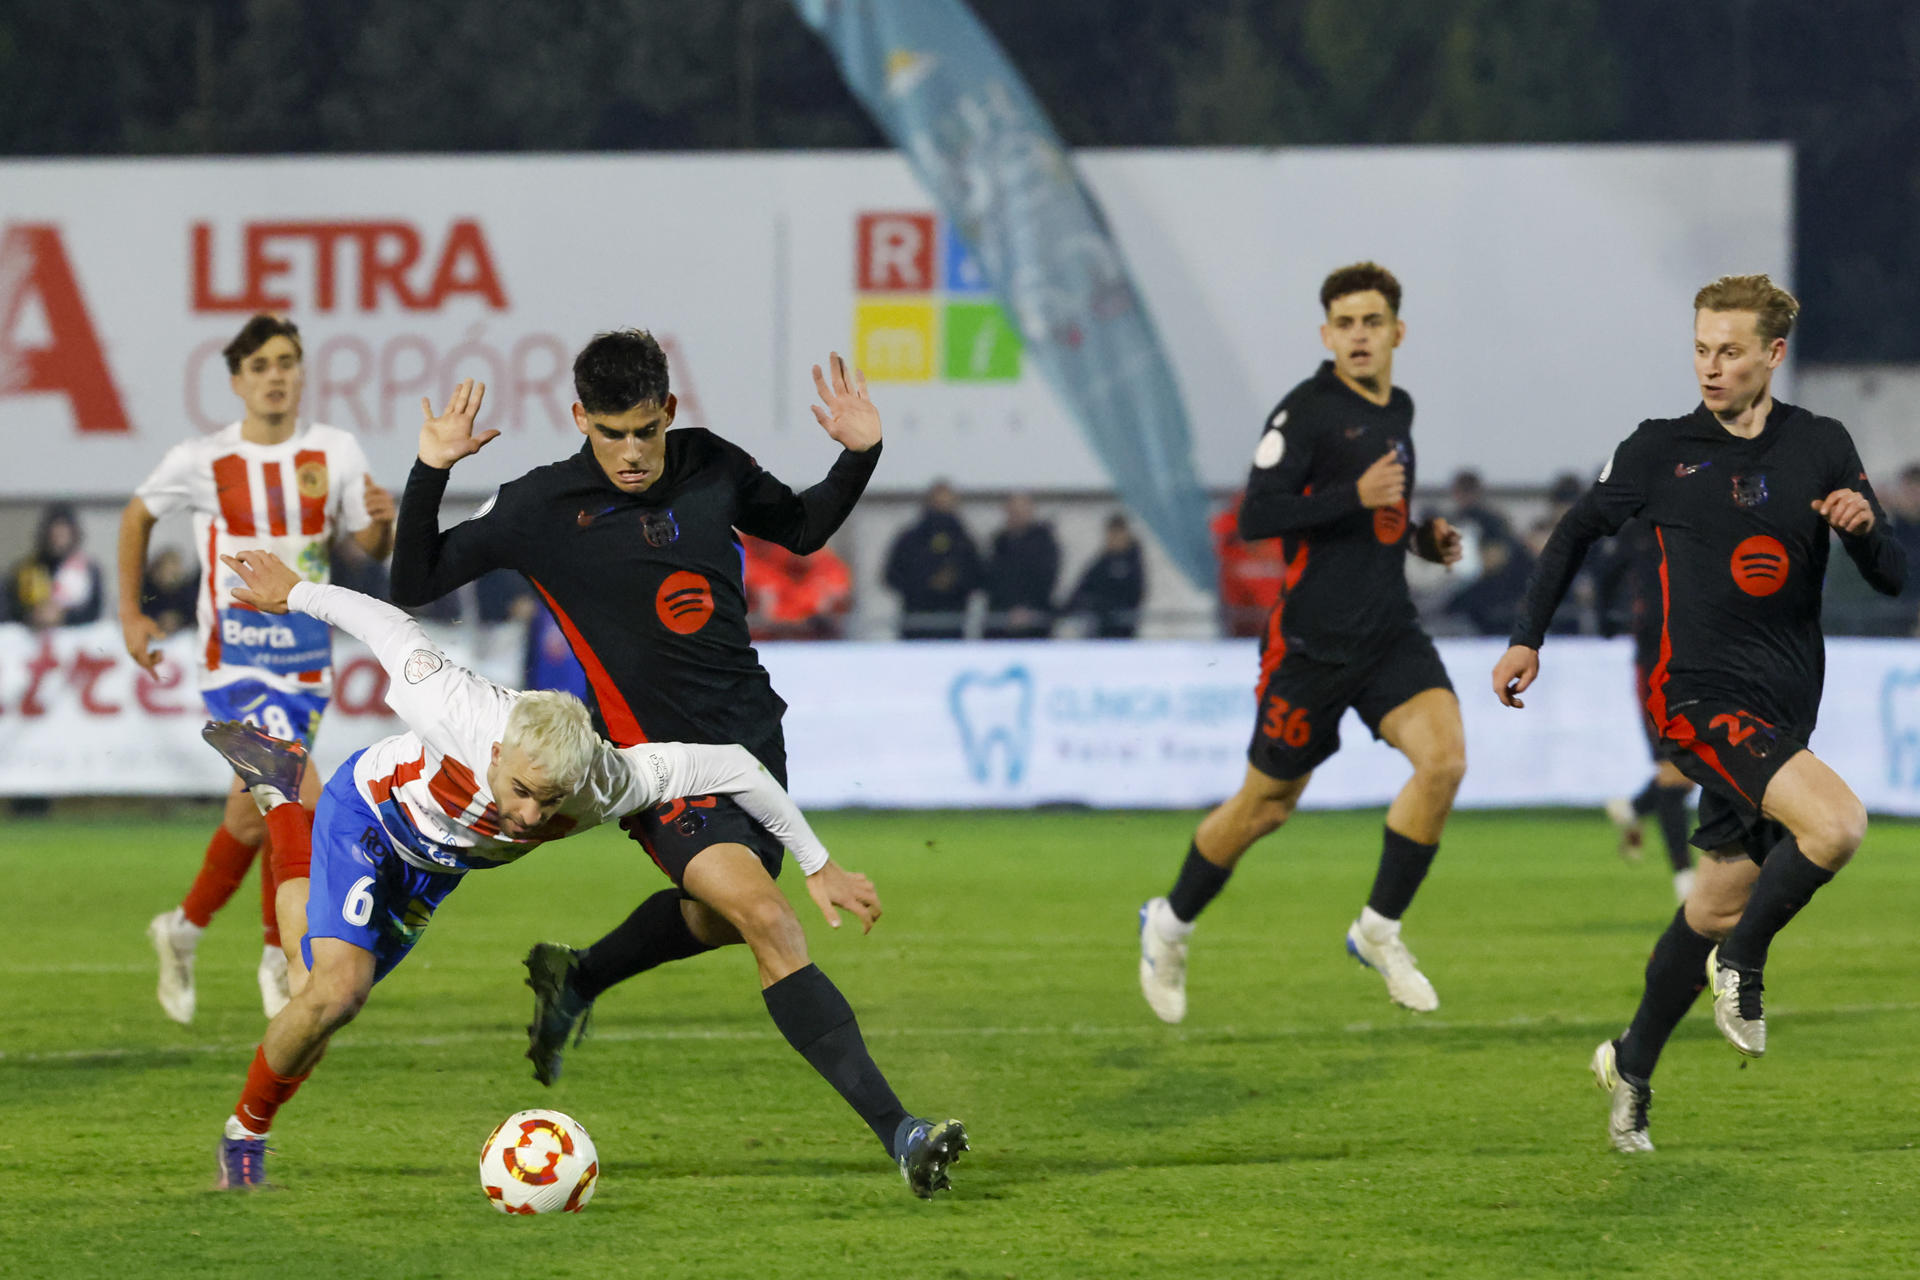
x=950, y=584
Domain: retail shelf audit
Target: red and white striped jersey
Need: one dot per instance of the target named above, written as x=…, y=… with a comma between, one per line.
x=290, y=498
x=428, y=786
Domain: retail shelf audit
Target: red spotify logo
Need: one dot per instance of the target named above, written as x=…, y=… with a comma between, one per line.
x=684, y=602
x=1760, y=565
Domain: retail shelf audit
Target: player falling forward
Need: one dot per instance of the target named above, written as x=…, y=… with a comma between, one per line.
x=1330, y=477
x=631, y=544
x=1740, y=493
x=268, y=480
x=483, y=777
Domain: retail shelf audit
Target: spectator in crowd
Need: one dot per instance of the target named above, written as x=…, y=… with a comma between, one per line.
x=935, y=567
x=355, y=570
x=550, y=663
x=59, y=584
x=1489, y=603
x=170, y=591
x=1472, y=511
x=1902, y=502
x=1565, y=490
x=1110, y=591
x=795, y=597
x=1023, y=569
x=503, y=596
x=1250, y=574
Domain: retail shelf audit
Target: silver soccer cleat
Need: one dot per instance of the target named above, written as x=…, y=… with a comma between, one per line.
x=1389, y=957
x=1736, y=1005
x=1627, y=1120
x=174, y=941
x=1163, y=965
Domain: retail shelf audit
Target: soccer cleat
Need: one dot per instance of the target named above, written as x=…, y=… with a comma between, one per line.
x=1389, y=957
x=243, y=1159
x=1627, y=1122
x=1627, y=823
x=557, y=1011
x=258, y=759
x=174, y=940
x=273, y=981
x=1163, y=966
x=1736, y=1005
x=926, y=1151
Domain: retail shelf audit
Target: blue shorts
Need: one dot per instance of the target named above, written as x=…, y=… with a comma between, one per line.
x=291, y=717
x=361, y=891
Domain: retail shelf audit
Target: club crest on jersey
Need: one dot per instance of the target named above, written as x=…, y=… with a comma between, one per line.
x=1750, y=491
x=421, y=663
x=312, y=478
x=659, y=528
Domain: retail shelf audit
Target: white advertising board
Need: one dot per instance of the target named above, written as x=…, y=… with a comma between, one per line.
x=1115, y=725
x=1547, y=304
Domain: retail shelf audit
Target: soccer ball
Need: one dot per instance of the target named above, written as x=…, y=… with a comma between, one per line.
x=538, y=1162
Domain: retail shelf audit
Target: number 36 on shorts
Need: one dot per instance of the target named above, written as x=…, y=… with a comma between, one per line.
x=1286, y=723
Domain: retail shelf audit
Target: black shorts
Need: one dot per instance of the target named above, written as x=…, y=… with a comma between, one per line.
x=1641, y=691
x=1733, y=754
x=672, y=833
x=1302, y=700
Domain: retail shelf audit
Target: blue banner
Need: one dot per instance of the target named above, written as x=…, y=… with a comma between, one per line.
x=941, y=88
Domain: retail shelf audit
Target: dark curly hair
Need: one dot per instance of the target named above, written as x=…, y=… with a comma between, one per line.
x=257, y=333
x=619, y=370
x=1359, y=278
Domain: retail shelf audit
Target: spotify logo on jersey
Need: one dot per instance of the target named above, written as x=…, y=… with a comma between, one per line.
x=1760, y=565
x=684, y=602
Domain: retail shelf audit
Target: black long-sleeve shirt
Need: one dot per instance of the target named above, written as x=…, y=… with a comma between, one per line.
x=1743, y=555
x=1346, y=580
x=646, y=586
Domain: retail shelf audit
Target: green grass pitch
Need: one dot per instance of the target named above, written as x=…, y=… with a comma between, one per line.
x=1296, y=1124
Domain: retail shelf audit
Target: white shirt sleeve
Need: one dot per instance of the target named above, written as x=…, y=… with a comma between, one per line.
x=434, y=696
x=350, y=488
x=170, y=487
x=668, y=770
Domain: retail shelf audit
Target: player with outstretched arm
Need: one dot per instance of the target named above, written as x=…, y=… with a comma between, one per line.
x=482, y=777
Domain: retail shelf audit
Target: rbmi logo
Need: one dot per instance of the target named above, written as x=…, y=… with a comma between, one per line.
x=924, y=309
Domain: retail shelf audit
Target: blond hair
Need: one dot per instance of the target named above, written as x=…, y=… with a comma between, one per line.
x=1774, y=309
x=554, y=731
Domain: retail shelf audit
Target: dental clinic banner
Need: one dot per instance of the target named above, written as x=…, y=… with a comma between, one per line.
x=1009, y=725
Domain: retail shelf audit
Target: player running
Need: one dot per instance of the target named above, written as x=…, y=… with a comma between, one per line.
x=1330, y=478
x=631, y=544
x=482, y=777
x=1740, y=493
x=268, y=480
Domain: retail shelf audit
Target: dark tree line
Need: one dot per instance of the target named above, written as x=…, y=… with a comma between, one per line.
x=1840, y=79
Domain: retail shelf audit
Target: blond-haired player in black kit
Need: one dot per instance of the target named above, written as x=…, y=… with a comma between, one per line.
x=1741, y=494
x=1330, y=479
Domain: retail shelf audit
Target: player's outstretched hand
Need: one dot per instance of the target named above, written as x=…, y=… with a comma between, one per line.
x=379, y=503
x=267, y=577
x=834, y=886
x=141, y=634
x=1439, y=542
x=1384, y=483
x=849, y=416
x=1846, y=510
x=448, y=438
x=1517, y=669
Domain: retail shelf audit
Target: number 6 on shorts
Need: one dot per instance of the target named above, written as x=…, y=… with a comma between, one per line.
x=358, y=908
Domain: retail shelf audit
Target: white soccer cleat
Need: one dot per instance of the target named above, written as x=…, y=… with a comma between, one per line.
x=1387, y=955
x=1737, y=1005
x=174, y=941
x=1163, y=964
x=1627, y=823
x=1627, y=1121
x=273, y=981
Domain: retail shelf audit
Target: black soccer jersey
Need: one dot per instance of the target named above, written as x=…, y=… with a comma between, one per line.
x=1742, y=552
x=1344, y=593
x=646, y=586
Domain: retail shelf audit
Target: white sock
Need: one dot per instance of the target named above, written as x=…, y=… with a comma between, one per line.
x=266, y=797
x=181, y=925
x=1377, y=926
x=238, y=1131
x=1168, y=925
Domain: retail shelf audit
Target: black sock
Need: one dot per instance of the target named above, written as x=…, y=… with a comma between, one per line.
x=655, y=933
x=1403, y=865
x=1647, y=800
x=1671, y=804
x=1200, y=882
x=1787, y=880
x=817, y=1021
x=1676, y=975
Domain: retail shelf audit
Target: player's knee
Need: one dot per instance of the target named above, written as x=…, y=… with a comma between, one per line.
x=1832, y=840
x=768, y=919
x=1268, y=813
x=1710, y=920
x=1445, y=767
x=336, y=1000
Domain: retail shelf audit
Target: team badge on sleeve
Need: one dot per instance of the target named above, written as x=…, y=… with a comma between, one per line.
x=1273, y=445
x=422, y=663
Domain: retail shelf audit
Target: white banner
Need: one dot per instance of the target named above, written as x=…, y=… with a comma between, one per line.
x=1114, y=725
x=1526, y=268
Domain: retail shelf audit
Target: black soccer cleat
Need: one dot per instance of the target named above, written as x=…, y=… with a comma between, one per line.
x=558, y=1011
x=257, y=758
x=925, y=1152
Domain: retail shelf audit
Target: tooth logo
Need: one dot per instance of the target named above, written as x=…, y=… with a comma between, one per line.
x=1900, y=721
x=990, y=711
